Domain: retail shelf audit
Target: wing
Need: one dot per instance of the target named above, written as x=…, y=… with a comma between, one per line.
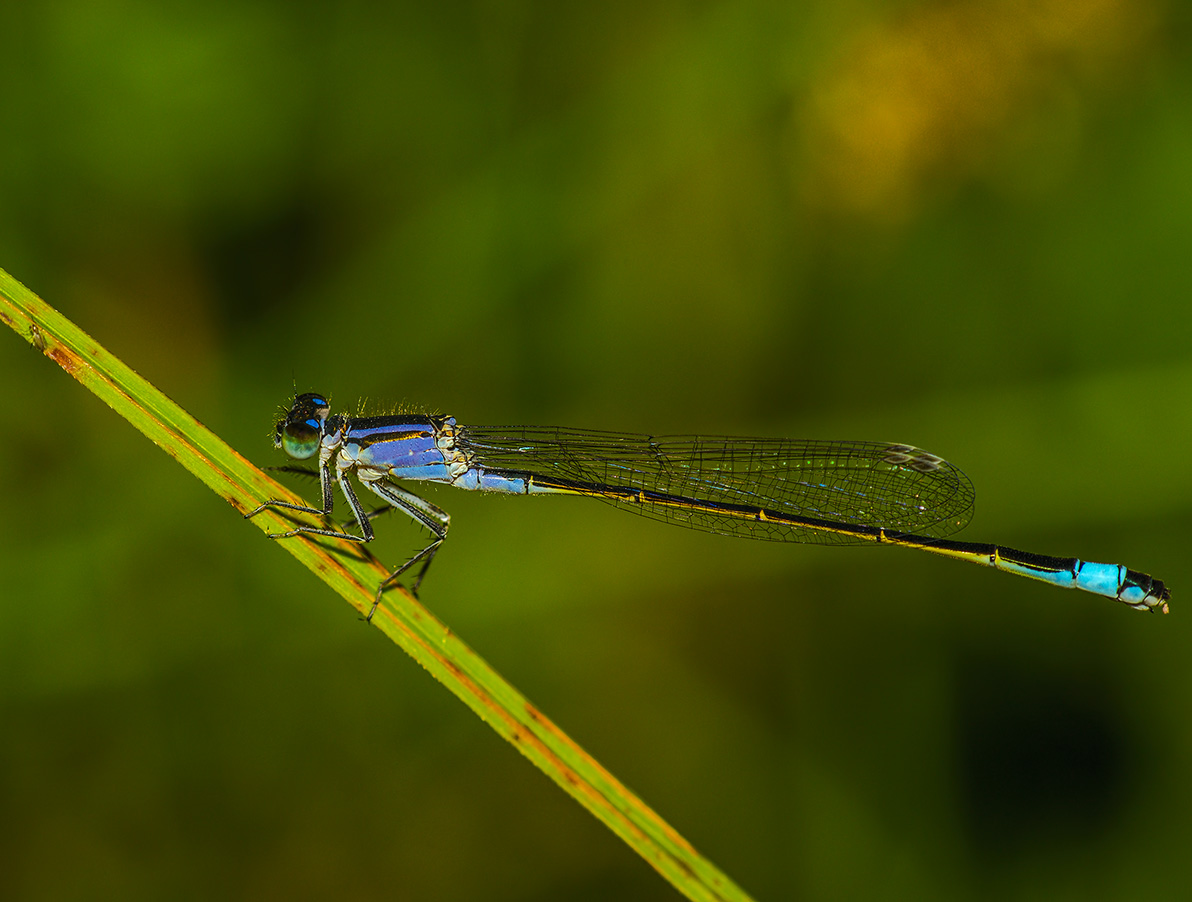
x=865, y=485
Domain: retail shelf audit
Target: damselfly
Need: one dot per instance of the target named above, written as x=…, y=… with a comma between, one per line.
x=773, y=489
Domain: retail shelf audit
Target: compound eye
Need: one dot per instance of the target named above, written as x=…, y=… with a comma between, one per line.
x=300, y=439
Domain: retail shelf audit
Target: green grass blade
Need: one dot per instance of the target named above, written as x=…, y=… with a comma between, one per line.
x=354, y=574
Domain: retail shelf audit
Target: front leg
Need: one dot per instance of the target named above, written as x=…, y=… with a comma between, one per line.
x=325, y=483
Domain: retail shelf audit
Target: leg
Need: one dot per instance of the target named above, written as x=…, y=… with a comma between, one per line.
x=298, y=471
x=325, y=510
x=435, y=519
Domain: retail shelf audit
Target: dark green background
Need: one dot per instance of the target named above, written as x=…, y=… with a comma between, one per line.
x=966, y=226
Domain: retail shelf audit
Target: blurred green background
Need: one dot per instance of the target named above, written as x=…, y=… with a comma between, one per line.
x=962, y=225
